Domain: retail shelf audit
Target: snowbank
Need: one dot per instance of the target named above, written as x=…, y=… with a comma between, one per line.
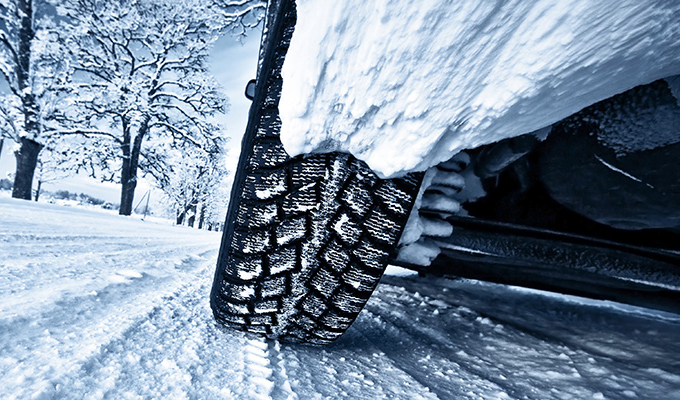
x=403, y=85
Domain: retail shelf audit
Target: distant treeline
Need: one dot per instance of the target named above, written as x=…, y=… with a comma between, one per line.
x=6, y=184
x=81, y=197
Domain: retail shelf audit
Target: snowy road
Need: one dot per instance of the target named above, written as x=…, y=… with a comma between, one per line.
x=98, y=306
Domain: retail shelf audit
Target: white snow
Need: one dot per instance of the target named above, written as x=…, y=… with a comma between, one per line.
x=440, y=202
x=436, y=227
x=414, y=245
x=68, y=332
x=420, y=252
x=267, y=193
x=413, y=229
x=404, y=85
x=338, y=226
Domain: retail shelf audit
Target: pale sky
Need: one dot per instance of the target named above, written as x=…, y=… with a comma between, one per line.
x=233, y=64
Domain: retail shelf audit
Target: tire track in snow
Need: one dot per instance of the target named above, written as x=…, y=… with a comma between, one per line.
x=259, y=368
x=438, y=370
x=75, y=252
x=351, y=368
x=175, y=351
x=178, y=351
x=598, y=329
x=162, y=341
x=60, y=275
x=80, y=248
x=379, y=346
x=77, y=327
x=282, y=389
x=267, y=371
x=545, y=349
x=485, y=352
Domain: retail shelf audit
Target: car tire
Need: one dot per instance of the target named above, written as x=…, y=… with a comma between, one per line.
x=307, y=238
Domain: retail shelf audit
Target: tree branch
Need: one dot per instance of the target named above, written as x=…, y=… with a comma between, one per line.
x=87, y=133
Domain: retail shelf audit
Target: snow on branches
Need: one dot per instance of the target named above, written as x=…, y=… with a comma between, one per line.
x=194, y=185
x=241, y=15
x=140, y=85
x=113, y=87
x=28, y=69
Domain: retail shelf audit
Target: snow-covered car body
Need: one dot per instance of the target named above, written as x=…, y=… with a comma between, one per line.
x=403, y=85
x=308, y=237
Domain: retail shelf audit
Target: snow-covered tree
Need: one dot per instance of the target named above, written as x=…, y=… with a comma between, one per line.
x=4, y=134
x=140, y=79
x=240, y=15
x=215, y=210
x=50, y=168
x=194, y=182
x=28, y=72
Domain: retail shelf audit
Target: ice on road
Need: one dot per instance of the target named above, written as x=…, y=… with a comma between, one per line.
x=97, y=306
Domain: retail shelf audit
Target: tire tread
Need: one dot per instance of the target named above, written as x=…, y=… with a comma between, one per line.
x=310, y=236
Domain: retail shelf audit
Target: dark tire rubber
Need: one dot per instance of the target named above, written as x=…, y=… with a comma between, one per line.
x=306, y=239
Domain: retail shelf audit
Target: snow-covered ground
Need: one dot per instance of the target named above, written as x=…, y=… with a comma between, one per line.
x=95, y=306
x=404, y=85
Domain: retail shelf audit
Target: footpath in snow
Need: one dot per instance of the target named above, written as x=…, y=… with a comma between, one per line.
x=96, y=306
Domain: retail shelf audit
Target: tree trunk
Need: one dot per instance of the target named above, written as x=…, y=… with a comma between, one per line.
x=127, y=194
x=27, y=156
x=192, y=216
x=180, y=217
x=2, y=142
x=201, y=218
x=128, y=174
x=27, y=159
x=37, y=190
x=129, y=183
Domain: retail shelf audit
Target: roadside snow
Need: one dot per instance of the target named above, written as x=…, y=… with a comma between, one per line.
x=96, y=306
x=403, y=85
